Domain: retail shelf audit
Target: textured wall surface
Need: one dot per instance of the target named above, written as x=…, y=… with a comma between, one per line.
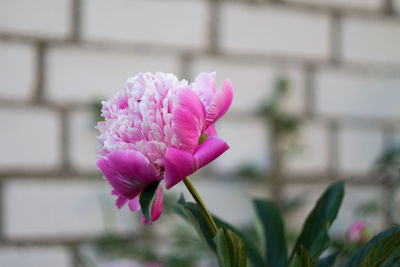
x=59, y=57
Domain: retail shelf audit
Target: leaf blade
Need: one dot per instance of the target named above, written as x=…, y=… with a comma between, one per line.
x=147, y=198
x=314, y=235
x=274, y=233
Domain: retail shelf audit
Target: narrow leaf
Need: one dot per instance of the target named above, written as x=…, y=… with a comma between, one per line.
x=274, y=233
x=253, y=253
x=377, y=250
x=147, y=198
x=314, y=235
x=301, y=258
x=195, y=216
x=231, y=251
x=328, y=261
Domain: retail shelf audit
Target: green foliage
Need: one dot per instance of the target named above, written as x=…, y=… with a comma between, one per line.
x=377, y=250
x=328, y=261
x=301, y=258
x=253, y=251
x=192, y=213
x=314, y=235
x=232, y=246
x=147, y=198
x=271, y=109
x=231, y=251
x=274, y=238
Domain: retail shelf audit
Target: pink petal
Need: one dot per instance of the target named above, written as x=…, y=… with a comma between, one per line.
x=211, y=131
x=120, y=201
x=128, y=172
x=178, y=165
x=188, y=119
x=134, y=204
x=156, y=208
x=209, y=150
x=204, y=86
x=220, y=103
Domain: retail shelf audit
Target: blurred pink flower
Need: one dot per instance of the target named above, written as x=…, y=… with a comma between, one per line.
x=157, y=126
x=358, y=232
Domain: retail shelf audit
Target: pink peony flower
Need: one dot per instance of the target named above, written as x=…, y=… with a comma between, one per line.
x=158, y=127
x=358, y=232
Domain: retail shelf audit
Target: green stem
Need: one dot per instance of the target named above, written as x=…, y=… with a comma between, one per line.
x=201, y=204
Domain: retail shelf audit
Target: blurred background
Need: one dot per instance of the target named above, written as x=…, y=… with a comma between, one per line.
x=317, y=90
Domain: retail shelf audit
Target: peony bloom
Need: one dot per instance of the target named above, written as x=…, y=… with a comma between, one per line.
x=358, y=232
x=158, y=127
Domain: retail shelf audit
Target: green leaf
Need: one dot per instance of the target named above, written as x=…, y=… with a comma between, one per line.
x=328, y=261
x=231, y=251
x=301, y=258
x=147, y=198
x=253, y=253
x=274, y=237
x=191, y=212
x=377, y=250
x=314, y=235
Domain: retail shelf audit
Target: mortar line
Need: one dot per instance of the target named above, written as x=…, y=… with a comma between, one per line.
x=336, y=37
x=310, y=91
x=40, y=70
x=76, y=7
x=214, y=25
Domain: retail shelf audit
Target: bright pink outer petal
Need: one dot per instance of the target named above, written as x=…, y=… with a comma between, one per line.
x=178, y=165
x=120, y=201
x=204, y=86
x=211, y=131
x=156, y=208
x=128, y=172
x=220, y=103
x=134, y=204
x=188, y=119
x=209, y=150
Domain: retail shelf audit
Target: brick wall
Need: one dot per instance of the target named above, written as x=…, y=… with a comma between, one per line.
x=57, y=58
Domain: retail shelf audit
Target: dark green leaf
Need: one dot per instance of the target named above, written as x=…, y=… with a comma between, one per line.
x=328, y=261
x=301, y=258
x=377, y=250
x=253, y=253
x=314, y=235
x=393, y=260
x=147, y=198
x=194, y=215
x=274, y=233
x=230, y=249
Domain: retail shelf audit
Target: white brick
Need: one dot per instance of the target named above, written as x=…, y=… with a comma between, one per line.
x=83, y=143
x=358, y=149
x=29, y=139
x=356, y=4
x=396, y=4
x=259, y=29
x=248, y=141
x=348, y=93
x=309, y=153
x=34, y=256
x=355, y=198
x=254, y=83
x=181, y=23
x=100, y=73
x=17, y=71
x=371, y=41
x=62, y=209
x=40, y=18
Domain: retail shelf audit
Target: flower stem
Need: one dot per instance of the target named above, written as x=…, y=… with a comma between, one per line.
x=200, y=203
